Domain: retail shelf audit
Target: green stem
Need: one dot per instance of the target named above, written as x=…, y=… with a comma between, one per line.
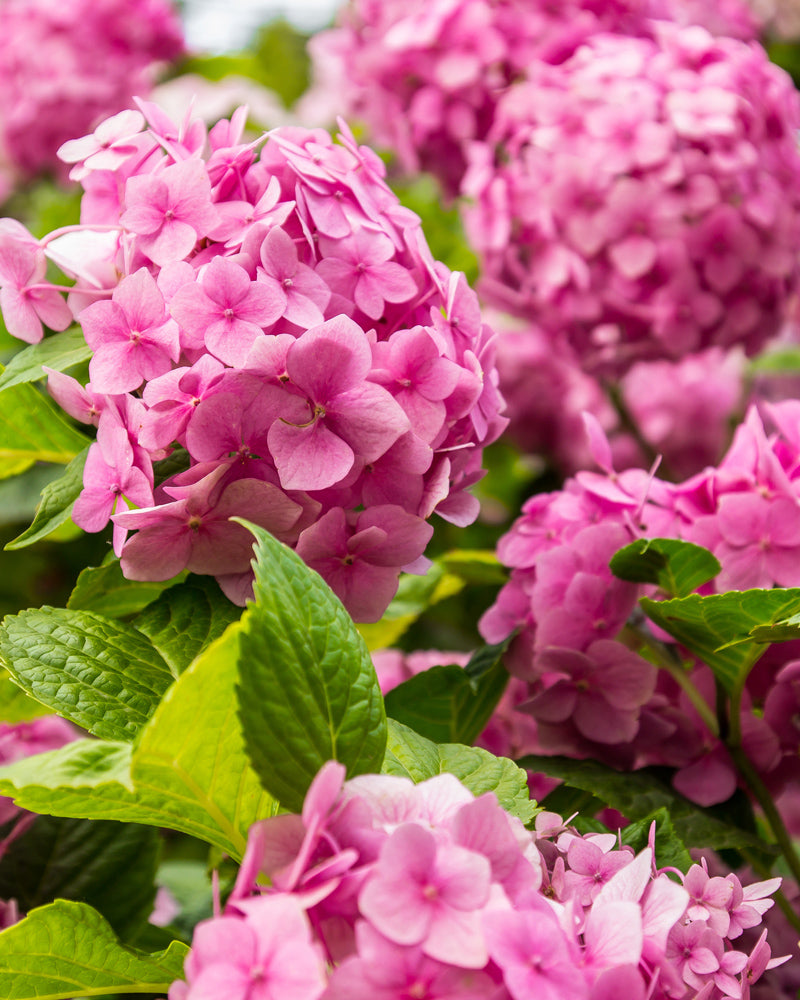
x=779, y=896
x=758, y=789
x=629, y=424
x=667, y=659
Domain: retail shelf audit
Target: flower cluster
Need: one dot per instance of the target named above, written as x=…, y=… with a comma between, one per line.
x=683, y=410
x=276, y=314
x=65, y=65
x=642, y=199
x=426, y=75
x=590, y=692
x=383, y=889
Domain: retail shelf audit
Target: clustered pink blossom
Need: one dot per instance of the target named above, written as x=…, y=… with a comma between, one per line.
x=385, y=890
x=642, y=199
x=684, y=410
x=271, y=309
x=589, y=692
x=65, y=64
x=426, y=76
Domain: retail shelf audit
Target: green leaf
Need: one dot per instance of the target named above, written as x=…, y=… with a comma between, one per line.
x=448, y=703
x=720, y=628
x=111, y=866
x=409, y=755
x=670, y=850
x=55, y=506
x=188, y=771
x=66, y=949
x=638, y=794
x=103, y=675
x=32, y=429
x=104, y=590
x=59, y=351
x=678, y=568
x=308, y=691
x=186, y=618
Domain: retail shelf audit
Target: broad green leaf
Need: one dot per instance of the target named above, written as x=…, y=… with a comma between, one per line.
x=719, y=628
x=104, y=590
x=111, y=866
x=55, y=506
x=103, y=675
x=448, y=703
x=414, y=595
x=66, y=949
x=670, y=850
x=59, y=351
x=186, y=618
x=188, y=771
x=638, y=794
x=308, y=691
x=410, y=755
x=678, y=567
x=32, y=429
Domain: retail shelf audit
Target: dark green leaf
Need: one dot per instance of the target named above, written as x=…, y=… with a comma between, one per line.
x=410, y=755
x=66, y=949
x=186, y=618
x=55, y=506
x=103, y=675
x=111, y=866
x=451, y=704
x=670, y=850
x=308, y=691
x=638, y=794
x=719, y=628
x=678, y=568
x=104, y=590
x=59, y=351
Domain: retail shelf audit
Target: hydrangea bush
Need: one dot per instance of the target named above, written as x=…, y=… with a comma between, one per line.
x=270, y=310
x=66, y=65
x=262, y=386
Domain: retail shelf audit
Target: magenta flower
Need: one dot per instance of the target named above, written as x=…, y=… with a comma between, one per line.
x=346, y=416
x=169, y=212
x=195, y=532
x=265, y=956
x=25, y=305
x=302, y=294
x=132, y=337
x=363, y=270
x=227, y=312
x=430, y=895
x=534, y=954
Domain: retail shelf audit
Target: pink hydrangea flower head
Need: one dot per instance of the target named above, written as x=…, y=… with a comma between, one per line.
x=677, y=259
x=427, y=77
x=271, y=308
x=52, y=92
